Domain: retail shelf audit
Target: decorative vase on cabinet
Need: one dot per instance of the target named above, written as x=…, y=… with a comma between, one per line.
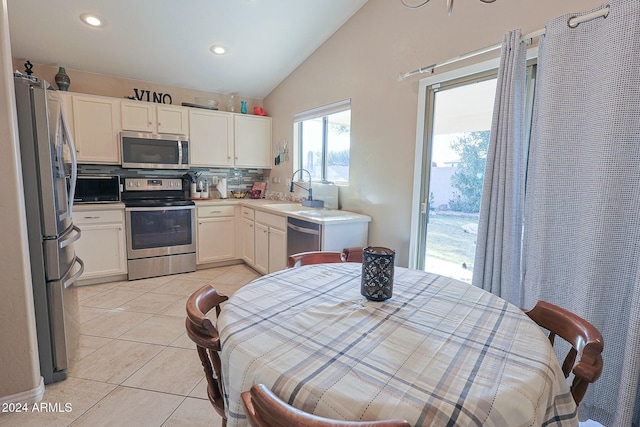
x=62, y=79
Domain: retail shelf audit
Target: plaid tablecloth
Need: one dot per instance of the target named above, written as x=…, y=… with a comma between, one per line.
x=438, y=353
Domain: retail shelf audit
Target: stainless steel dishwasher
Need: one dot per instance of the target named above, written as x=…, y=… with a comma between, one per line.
x=302, y=236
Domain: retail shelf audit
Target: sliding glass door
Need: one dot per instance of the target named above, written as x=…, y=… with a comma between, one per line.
x=458, y=126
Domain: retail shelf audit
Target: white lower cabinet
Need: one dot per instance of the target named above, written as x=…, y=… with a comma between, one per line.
x=262, y=248
x=216, y=233
x=248, y=241
x=102, y=244
x=277, y=249
x=248, y=235
x=270, y=242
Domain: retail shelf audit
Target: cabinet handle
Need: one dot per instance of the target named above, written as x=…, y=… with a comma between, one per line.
x=215, y=212
x=91, y=217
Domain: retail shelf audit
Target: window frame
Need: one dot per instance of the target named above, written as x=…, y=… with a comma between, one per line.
x=322, y=112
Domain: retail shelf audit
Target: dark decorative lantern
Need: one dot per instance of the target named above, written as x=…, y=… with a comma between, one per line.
x=377, y=273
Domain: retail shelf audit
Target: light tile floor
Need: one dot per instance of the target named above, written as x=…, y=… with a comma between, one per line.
x=135, y=365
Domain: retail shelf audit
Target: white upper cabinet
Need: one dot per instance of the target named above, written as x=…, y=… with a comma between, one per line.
x=147, y=117
x=96, y=123
x=173, y=119
x=211, y=138
x=221, y=139
x=138, y=116
x=252, y=136
x=217, y=139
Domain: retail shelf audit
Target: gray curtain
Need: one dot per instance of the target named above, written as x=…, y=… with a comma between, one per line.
x=497, y=260
x=581, y=247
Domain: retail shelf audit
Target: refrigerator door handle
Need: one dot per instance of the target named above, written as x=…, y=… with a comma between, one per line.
x=68, y=281
x=74, y=159
x=70, y=240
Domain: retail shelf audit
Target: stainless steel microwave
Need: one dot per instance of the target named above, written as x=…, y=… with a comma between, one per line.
x=154, y=151
x=97, y=189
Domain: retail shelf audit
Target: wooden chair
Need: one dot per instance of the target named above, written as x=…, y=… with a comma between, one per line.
x=352, y=255
x=313, y=257
x=264, y=409
x=320, y=257
x=585, y=341
x=203, y=332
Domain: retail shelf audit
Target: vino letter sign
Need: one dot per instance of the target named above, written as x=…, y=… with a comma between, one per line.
x=145, y=95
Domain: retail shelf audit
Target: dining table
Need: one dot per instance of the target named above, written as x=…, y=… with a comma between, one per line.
x=439, y=352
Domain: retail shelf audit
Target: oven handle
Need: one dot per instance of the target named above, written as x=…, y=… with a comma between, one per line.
x=159, y=208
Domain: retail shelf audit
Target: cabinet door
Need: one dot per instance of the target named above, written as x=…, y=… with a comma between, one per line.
x=262, y=248
x=252, y=141
x=173, y=120
x=277, y=249
x=216, y=239
x=95, y=122
x=138, y=116
x=248, y=241
x=102, y=248
x=211, y=138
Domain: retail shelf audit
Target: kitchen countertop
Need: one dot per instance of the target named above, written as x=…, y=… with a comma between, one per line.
x=294, y=210
x=288, y=209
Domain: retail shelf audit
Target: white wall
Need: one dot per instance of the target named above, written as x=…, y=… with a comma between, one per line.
x=19, y=366
x=362, y=60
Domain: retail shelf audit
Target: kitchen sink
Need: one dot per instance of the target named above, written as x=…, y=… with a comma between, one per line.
x=324, y=213
x=287, y=207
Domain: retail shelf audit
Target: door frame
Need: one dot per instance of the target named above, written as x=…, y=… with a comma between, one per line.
x=422, y=157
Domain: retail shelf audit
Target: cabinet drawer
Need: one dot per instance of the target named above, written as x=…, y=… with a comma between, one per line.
x=98, y=217
x=214, y=211
x=248, y=213
x=272, y=220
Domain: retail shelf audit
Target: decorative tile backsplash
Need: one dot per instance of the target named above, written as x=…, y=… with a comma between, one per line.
x=284, y=197
x=237, y=179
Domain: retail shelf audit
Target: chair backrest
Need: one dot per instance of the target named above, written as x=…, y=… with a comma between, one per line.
x=585, y=341
x=264, y=409
x=320, y=257
x=352, y=255
x=204, y=334
x=313, y=257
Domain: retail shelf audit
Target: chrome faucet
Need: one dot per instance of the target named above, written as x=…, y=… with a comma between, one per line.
x=293, y=183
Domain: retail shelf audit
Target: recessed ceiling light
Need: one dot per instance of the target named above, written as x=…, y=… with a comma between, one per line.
x=218, y=50
x=91, y=20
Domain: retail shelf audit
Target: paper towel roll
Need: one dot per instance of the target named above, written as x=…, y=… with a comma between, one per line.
x=222, y=187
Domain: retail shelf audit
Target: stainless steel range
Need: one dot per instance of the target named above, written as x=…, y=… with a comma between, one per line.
x=161, y=227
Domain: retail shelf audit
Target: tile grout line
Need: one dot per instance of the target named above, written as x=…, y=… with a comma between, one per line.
x=236, y=285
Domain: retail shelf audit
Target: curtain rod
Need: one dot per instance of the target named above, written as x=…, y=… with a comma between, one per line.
x=573, y=22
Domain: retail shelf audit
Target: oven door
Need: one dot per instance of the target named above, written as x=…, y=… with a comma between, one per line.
x=160, y=231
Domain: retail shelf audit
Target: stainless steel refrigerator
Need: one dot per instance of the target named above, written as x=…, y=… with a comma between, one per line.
x=49, y=170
